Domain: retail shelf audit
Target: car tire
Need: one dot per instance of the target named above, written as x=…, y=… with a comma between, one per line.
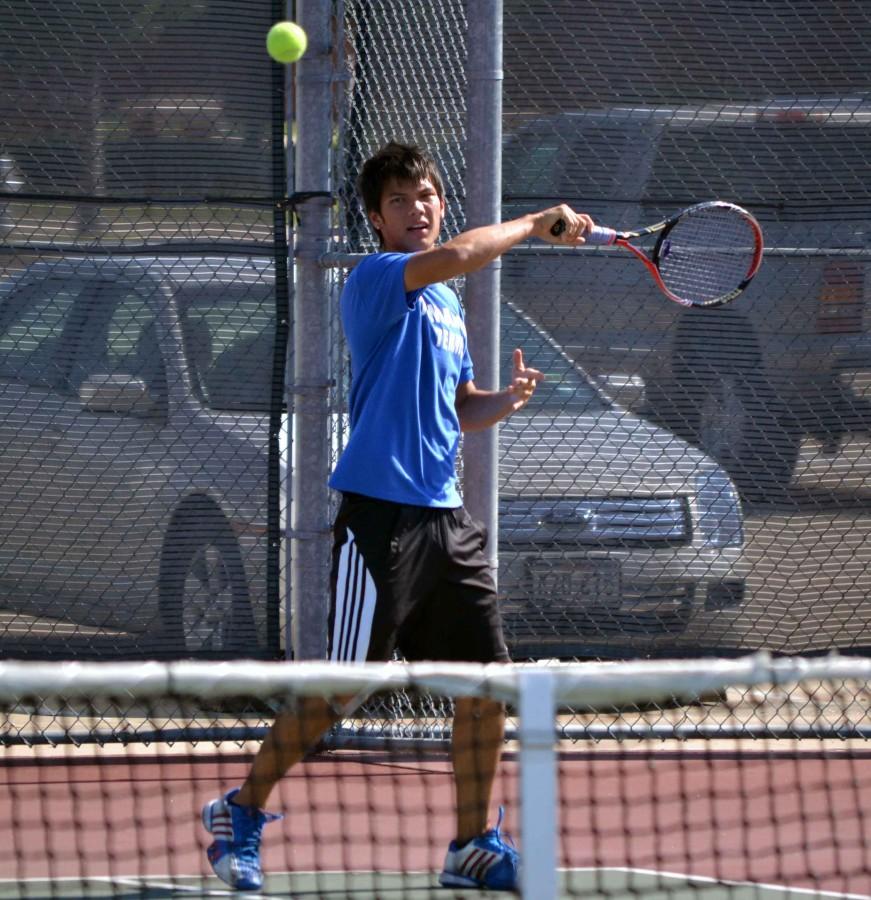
x=205, y=605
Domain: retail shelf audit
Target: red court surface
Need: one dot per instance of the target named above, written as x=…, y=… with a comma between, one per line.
x=789, y=819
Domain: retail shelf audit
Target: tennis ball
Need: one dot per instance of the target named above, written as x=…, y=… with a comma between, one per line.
x=286, y=42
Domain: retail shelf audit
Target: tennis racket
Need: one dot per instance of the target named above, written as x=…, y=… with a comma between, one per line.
x=705, y=255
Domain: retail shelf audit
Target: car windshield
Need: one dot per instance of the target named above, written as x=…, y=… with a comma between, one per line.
x=565, y=388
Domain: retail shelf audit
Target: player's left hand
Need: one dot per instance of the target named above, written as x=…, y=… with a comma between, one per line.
x=523, y=382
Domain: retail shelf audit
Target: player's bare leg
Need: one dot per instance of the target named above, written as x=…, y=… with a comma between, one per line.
x=236, y=820
x=479, y=731
x=479, y=857
x=292, y=735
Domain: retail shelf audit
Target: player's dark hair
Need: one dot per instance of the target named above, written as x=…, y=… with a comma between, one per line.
x=404, y=162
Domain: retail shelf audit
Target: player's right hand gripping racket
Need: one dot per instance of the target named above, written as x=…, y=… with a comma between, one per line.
x=703, y=256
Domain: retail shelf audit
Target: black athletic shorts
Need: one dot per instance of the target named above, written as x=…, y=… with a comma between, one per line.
x=413, y=579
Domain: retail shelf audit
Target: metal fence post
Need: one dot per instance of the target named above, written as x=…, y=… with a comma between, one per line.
x=309, y=388
x=483, y=207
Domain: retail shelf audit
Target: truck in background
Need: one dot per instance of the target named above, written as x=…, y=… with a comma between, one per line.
x=747, y=382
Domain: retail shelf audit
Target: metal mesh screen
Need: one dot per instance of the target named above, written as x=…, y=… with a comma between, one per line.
x=88, y=812
x=687, y=481
x=389, y=99
x=141, y=370
x=638, y=113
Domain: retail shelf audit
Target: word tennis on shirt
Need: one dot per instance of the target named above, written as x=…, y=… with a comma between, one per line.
x=449, y=328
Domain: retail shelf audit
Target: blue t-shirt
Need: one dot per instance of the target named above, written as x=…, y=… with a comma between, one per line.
x=408, y=354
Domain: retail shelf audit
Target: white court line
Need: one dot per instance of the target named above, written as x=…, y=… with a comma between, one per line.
x=164, y=882
x=724, y=881
x=158, y=882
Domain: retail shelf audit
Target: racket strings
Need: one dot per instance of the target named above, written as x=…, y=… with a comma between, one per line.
x=707, y=254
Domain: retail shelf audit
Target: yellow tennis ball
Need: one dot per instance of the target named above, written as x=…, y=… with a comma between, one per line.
x=286, y=42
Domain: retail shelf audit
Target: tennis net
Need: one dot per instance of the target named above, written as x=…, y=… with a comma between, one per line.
x=655, y=778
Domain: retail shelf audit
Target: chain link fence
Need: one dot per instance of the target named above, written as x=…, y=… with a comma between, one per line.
x=141, y=356
x=685, y=482
x=635, y=112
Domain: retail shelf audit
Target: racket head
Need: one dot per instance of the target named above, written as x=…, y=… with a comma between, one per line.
x=707, y=254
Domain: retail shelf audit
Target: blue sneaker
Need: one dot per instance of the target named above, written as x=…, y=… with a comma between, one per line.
x=235, y=852
x=485, y=862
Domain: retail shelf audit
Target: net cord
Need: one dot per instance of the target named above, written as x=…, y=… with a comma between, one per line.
x=575, y=684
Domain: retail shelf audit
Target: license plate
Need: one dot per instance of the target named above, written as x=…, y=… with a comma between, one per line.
x=570, y=581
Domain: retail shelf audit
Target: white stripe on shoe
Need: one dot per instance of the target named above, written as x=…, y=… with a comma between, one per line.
x=217, y=820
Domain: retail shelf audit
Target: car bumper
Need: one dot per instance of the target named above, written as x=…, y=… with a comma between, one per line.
x=571, y=604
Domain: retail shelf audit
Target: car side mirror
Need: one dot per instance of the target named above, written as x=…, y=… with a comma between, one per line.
x=117, y=394
x=629, y=391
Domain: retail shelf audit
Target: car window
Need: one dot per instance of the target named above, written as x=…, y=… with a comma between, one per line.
x=229, y=343
x=565, y=389
x=661, y=159
x=120, y=338
x=32, y=323
x=764, y=162
x=530, y=167
x=572, y=158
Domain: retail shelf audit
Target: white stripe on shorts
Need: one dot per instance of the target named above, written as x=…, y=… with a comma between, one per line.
x=355, y=606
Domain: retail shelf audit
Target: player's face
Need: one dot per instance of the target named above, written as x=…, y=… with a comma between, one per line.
x=410, y=217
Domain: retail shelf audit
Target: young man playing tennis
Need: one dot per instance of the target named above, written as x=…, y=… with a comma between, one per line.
x=426, y=589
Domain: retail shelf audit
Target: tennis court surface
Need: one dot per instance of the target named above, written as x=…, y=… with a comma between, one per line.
x=576, y=883
x=90, y=809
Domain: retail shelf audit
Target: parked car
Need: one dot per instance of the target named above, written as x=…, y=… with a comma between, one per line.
x=134, y=402
x=749, y=381
x=614, y=534
x=134, y=413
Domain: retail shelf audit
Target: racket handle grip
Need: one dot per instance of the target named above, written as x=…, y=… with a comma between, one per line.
x=598, y=233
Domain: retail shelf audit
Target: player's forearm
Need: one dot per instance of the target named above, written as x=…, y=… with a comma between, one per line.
x=475, y=248
x=483, y=409
x=467, y=252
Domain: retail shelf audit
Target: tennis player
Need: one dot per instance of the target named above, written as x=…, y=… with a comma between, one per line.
x=409, y=569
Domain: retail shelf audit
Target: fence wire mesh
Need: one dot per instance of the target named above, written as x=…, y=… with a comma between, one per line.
x=685, y=478
x=686, y=482
x=632, y=114
x=88, y=811
x=141, y=363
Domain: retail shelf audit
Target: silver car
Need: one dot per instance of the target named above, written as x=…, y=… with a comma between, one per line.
x=615, y=535
x=134, y=412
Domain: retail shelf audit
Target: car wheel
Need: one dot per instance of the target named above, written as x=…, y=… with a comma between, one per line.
x=205, y=606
